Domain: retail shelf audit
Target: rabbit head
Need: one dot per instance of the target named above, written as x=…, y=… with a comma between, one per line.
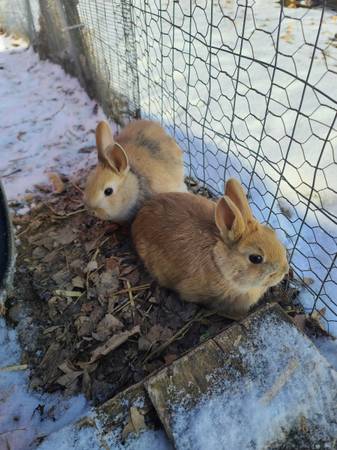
x=112, y=188
x=257, y=258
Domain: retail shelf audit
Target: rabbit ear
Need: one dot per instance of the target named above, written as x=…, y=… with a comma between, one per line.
x=104, y=139
x=236, y=193
x=117, y=158
x=229, y=219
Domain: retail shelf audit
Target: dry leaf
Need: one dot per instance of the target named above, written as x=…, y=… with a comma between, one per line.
x=144, y=344
x=157, y=333
x=107, y=285
x=68, y=378
x=61, y=277
x=50, y=355
x=84, y=326
x=108, y=281
x=39, y=253
x=319, y=315
x=106, y=327
x=307, y=281
x=65, y=236
x=67, y=367
x=316, y=320
x=57, y=183
x=91, y=266
x=114, y=342
x=170, y=358
x=57, y=305
x=111, y=264
x=78, y=282
x=300, y=320
x=90, y=245
x=135, y=424
x=43, y=188
x=51, y=329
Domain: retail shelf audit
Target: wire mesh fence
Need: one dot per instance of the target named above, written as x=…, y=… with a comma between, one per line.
x=247, y=88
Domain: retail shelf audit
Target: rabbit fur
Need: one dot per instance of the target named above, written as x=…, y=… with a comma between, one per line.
x=203, y=250
x=142, y=160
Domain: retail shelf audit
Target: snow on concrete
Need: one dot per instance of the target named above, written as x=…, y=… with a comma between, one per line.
x=90, y=438
x=285, y=385
x=46, y=119
x=328, y=347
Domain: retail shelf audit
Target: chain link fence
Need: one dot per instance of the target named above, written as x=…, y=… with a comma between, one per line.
x=247, y=88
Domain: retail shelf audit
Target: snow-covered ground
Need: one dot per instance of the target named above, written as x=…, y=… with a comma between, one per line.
x=21, y=418
x=47, y=120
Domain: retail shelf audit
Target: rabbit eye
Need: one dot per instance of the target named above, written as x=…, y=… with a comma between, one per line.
x=255, y=259
x=108, y=191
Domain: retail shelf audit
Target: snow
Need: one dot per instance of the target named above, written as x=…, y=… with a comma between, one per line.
x=46, y=119
x=328, y=347
x=20, y=421
x=89, y=438
x=258, y=406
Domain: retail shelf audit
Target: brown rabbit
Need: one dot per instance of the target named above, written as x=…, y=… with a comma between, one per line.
x=214, y=254
x=141, y=161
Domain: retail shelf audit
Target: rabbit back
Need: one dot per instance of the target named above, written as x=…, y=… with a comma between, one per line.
x=154, y=156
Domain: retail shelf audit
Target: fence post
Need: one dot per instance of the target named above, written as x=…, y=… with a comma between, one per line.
x=131, y=54
x=54, y=41
x=78, y=46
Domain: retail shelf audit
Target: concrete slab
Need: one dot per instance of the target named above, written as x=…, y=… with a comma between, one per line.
x=261, y=384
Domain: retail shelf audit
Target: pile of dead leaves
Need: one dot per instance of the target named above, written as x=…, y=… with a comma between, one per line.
x=94, y=321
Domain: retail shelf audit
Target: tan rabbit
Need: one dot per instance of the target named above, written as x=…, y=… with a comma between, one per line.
x=214, y=254
x=141, y=161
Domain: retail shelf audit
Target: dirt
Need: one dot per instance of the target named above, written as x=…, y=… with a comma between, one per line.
x=89, y=317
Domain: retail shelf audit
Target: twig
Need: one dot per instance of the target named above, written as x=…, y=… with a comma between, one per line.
x=14, y=368
x=142, y=287
x=130, y=293
x=132, y=302
x=280, y=382
x=11, y=173
x=120, y=307
x=11, y=431
x=64, y=293
x=65, y=215
x=76, y=187
x=179, y=334
x=25, y=230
